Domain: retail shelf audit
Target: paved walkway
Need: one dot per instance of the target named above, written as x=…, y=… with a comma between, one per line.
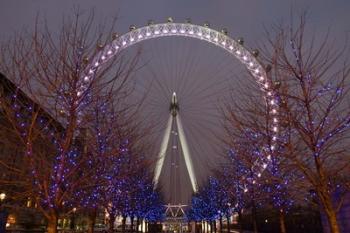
x=235, y=231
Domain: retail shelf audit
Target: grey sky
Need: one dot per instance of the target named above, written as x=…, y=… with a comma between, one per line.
x=241, y=17
x=244, y=18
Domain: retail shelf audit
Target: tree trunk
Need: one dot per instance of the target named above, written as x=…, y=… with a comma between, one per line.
x=214, y=225
x=211, y=226
x=91, y=221
x=205, y=227
x=137, y=224
x=254, y=216
x=282, y=222
x=239, y=220
x=228, y=224
x=52, y=224
x=220, y=222
x=326, y=200
x=132, y=223
x=3, y=220
x=332, y=221
x=72, y=222
x=123, y=224
x=111, y=223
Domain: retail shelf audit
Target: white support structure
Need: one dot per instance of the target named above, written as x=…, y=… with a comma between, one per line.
x=175, y=117
x=175, y=212
x=175, y=218
x=186, y=152
x=162, y=152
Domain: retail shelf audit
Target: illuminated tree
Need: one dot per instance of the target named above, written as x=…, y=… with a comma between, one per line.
x=210, y=203
x=49, y=110
x=310, y=81
x=313, y=79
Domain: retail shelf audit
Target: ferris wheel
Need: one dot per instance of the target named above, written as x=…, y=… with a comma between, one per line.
x=187, y=71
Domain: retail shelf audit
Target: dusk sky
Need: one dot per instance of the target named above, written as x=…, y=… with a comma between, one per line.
x=242, y=18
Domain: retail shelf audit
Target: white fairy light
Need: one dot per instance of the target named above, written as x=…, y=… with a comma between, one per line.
x=274, y=138
x=245, y=58
x=251, y=64
x=86, y=79
x=148, y=33
x=261, y=78
x=182, y=31
x=165, y=31
x=264, y=165
x=199, y=33
x=275, y=129
x=256, y=71
x=174, y=30
x=274, y=111
x=266, y=85
x=132, y=39
x=124, y=43
x=216, y=39
x=275, y=120
x=245, y=190
x=259, y=174
x=91, y=71
x=238, y=52
x=231, y=47
x=96, y=64
x=116, y=47
x=140, y=36
x=103, y=57
x=156, y=32
x=191, y=32
x=109, y=52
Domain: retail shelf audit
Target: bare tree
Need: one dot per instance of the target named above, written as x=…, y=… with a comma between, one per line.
x=314, y=101
x=248, y=141
x=311, y=82
x=49, y=109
